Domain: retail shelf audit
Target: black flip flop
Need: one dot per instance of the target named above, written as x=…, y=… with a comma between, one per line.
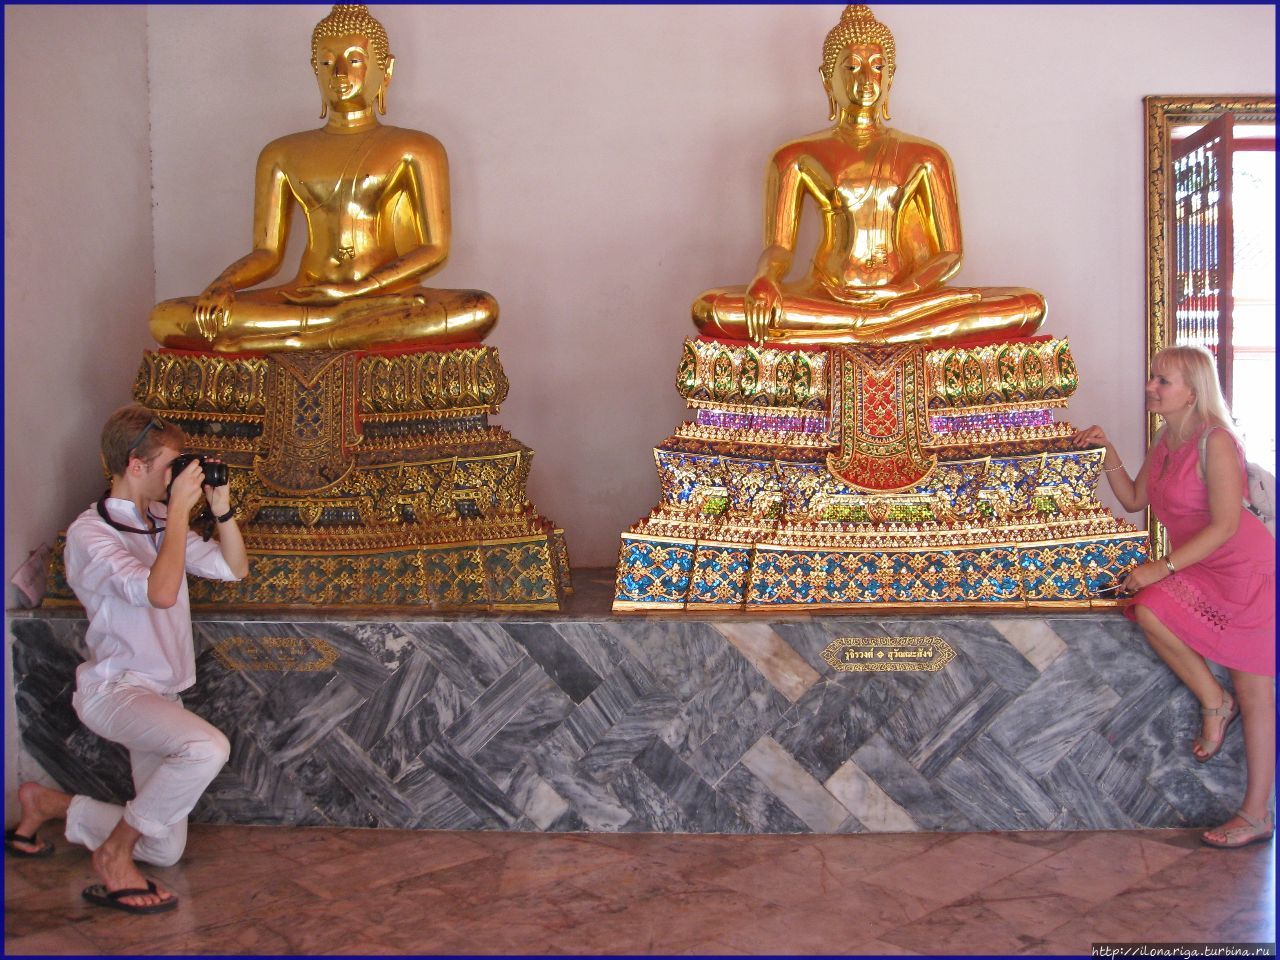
x=13, y=837
x=100, y=896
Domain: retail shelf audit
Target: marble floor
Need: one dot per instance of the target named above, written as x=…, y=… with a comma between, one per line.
x=290, y=890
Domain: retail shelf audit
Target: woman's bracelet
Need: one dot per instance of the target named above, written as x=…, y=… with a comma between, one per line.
x=1118, y=466
x=231, y=512
x=1169, y=563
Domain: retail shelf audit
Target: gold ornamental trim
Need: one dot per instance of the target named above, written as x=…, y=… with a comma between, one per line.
x=202, y=382
x=431, y=382
x=888, y=654
x=761, y=378
x=1015, y=374
x=1012, y=375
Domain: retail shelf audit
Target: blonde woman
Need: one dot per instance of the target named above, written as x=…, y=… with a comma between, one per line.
x=1213, y=594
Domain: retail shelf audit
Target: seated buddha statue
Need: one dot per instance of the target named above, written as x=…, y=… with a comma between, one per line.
x=375, y=199
x=890, y=228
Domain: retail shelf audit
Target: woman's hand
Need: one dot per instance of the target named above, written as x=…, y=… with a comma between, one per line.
x=1093, y=436
x=762, y=304
x=1153, y=571
x=213, y=309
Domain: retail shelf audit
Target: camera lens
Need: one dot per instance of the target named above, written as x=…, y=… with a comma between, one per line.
x=215, y=473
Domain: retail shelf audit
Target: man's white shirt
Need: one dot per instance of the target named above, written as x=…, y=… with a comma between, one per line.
x=109, y=569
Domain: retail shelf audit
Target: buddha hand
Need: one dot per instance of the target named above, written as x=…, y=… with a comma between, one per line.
x=763, y=308
x=882, y=294
x=213, y=309
x=330, y=292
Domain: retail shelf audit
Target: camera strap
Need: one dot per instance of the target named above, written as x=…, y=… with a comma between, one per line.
x=102, y=512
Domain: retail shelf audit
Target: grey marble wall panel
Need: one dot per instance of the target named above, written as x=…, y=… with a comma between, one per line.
x=611, y=723
x=1068, y=701
x=559, y=658
x=990, y=788
x=836, y=717
x=1114, y=644
x=755, y=715
x=758, y=807
x=925, y=801
x=438, y=807
x=1119, y=781
x=652, y=809
x=646, y=719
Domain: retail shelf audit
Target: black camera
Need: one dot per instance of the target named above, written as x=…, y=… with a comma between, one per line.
x=215, y=471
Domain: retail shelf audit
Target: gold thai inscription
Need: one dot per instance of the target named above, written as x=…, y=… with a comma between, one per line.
x=304, y=654
x=888, y=654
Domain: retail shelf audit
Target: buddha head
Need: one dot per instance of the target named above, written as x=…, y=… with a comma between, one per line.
x=858, y=61
x=351, y=58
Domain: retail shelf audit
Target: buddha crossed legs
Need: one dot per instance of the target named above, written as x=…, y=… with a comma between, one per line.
x=375, y=200
x=890, y=228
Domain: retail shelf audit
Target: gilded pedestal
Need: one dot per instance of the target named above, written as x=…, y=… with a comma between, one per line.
x=365, y=477
x=859, y=476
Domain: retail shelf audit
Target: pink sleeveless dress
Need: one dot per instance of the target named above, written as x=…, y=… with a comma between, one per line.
x=1223, y=607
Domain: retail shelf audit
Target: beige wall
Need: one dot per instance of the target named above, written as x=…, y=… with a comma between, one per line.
x=79, y=269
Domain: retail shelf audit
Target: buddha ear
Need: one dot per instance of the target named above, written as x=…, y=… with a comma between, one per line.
x=884, y=98
x=386, y=82
x=826, y=85
x=324, y=103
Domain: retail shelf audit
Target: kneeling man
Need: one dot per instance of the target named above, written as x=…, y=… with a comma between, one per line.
x=127, y=558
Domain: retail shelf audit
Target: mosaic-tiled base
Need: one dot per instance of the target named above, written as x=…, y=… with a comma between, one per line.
x=679, y=574
x=874, y=476
x=1064, y=721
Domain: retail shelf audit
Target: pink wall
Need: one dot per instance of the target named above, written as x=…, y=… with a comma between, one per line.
x=79, y=267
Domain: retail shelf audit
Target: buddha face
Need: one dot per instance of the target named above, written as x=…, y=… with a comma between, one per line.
x=348, y=73
x=861, y=78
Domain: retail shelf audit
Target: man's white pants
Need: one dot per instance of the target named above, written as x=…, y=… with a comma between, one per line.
x=174, y=756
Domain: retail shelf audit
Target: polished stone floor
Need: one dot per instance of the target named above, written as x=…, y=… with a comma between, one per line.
x=291, y=890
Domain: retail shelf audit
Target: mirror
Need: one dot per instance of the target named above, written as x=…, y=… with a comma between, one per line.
x=1182, y=306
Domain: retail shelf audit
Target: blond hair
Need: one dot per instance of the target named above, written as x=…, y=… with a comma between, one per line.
x=1199, y=372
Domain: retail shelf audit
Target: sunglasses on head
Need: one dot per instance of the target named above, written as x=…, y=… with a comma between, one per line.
x=155, y=424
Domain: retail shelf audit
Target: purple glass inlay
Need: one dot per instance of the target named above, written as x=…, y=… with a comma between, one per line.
x=1001, y=420
x=775, y=423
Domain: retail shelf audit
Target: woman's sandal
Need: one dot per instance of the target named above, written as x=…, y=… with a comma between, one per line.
x=1230, y=709
x=1257, y=831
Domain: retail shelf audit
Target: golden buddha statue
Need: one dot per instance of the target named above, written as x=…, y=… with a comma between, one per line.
x=890, y=227
x=376, y=203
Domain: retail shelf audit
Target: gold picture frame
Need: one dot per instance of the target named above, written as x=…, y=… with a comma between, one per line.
x=1163, y=113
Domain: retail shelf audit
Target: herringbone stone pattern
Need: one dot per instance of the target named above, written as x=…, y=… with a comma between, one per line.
x=602, y=723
